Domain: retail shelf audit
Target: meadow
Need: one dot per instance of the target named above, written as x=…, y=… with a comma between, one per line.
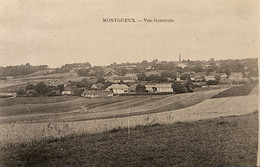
x=229, y=141
x=41, y=128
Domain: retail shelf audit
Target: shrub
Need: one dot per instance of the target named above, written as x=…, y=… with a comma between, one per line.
x=190, y=86
x=140, y=88
x=178, y=87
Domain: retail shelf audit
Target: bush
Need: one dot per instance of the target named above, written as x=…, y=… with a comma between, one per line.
x=212, y=82
x=178, y=87
x=140, y=88
x=190, y=86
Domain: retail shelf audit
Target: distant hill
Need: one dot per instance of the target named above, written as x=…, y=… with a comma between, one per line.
x=75, y=66
x=20, y=70
x=42, y=72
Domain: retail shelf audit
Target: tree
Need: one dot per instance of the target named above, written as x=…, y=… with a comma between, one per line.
x=185, y=76
x=83, y=72
x=101, y=80
x=190, y=86
x=141, y=77
x=84, y=83
x=99, y=71
x=41, y=88
x=61, y=87
x=141, y=88
x=29, y=87
x=178, y=87
x=227, y=71
x=169, y=73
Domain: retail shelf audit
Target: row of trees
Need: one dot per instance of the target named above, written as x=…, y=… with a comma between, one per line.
x=20, y=70
x=40, y=89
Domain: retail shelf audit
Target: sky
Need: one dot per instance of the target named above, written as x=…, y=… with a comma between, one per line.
x=58, y=32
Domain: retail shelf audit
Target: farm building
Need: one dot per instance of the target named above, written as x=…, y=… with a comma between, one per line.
x=210, y=78
x=225, y=81
x=98, y=86
x=96, y=94
x=7, y=94
x=159, y=87
x=70, y=90
x=118, y=88
x=118, y=79
x=236, y=76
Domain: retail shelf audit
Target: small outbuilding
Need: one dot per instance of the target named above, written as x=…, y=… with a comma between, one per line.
x=166, y=87
x=96, y=94
x=118, y=88
x=70, y=90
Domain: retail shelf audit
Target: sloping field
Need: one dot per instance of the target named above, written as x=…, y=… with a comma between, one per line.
x=87, y=109
x=35, y=100
x=210, y=108
x=54, y=107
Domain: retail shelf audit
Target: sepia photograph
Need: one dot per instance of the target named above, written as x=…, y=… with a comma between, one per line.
x=121, y=83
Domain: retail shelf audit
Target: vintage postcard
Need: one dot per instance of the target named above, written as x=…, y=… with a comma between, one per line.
x=129, y=83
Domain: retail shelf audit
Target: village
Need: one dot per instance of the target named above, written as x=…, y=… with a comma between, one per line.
x=132, y=79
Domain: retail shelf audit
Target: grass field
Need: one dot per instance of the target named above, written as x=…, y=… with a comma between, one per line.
x=35, y=100
x=70, y=109
x=225, y=142
x=236, y=91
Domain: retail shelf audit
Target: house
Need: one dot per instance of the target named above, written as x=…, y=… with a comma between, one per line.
x=70, y=90
x=7, y=95
x=225, y=81
x=165, y=87
x=236, y=76
x=97, y=86
x=118, y=88
x=210, y=78
x=96, y=94
x=119, y=79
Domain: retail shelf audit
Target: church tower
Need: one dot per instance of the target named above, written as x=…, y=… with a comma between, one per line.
x=179, y=57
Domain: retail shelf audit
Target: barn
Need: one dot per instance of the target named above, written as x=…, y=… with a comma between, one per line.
x=118, y=88
x=165, y=87
x=96, y=94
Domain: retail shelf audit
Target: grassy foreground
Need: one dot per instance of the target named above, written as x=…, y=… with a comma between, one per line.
x=229, y=141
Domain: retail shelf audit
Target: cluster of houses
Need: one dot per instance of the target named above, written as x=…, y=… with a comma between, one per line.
x=127, y=84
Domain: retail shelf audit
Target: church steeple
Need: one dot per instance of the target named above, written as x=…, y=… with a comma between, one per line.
x=179, y=57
